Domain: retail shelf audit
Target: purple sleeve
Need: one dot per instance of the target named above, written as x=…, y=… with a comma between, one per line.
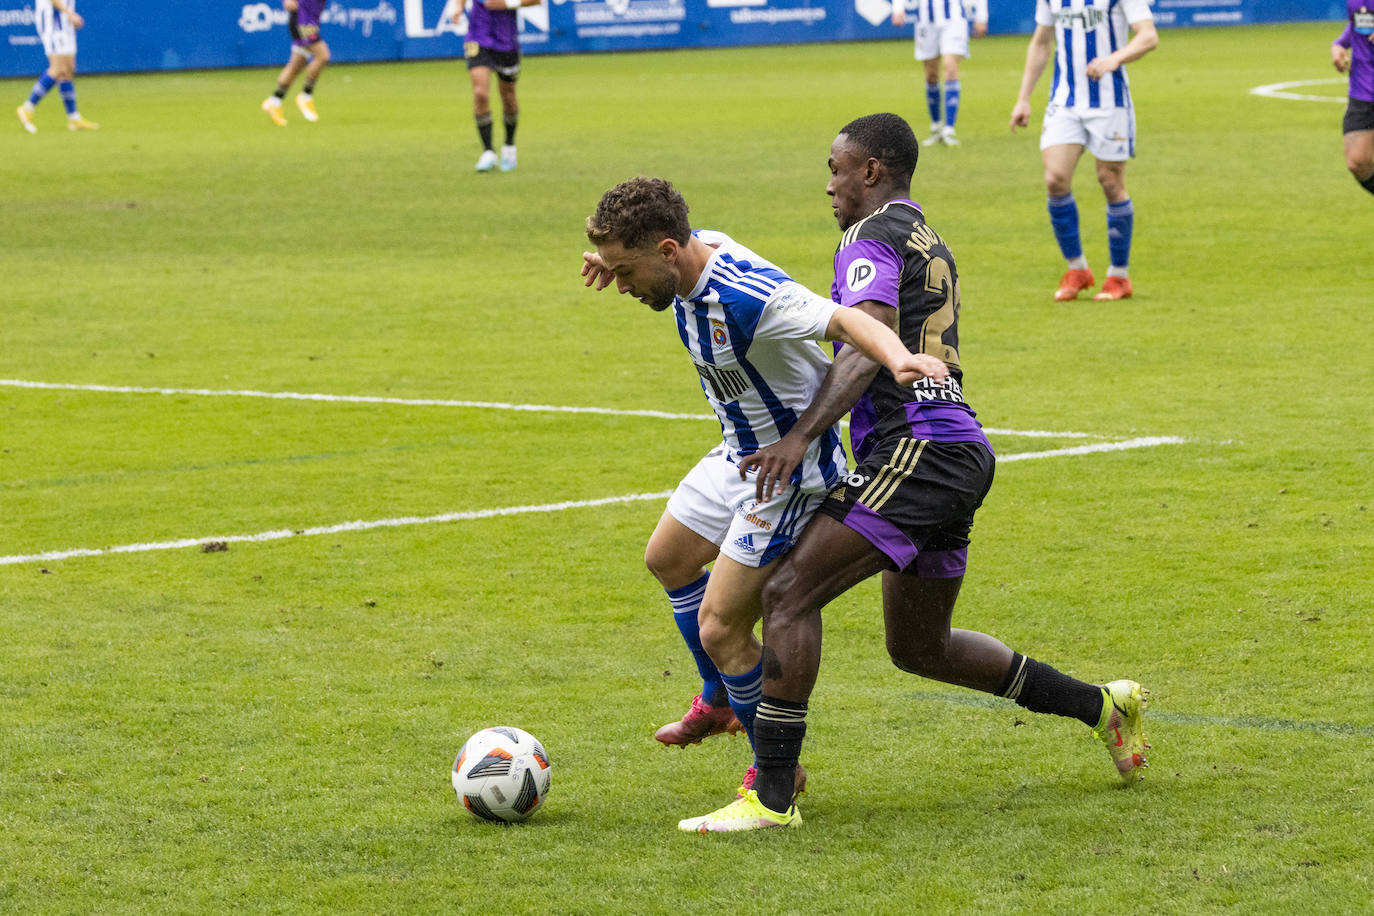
x=1344, y=40
x=867, y=269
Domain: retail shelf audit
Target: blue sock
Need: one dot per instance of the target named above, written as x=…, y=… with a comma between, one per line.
x=1064, y=219
x=745, y=692
x=933, y=101
x=68, y=96
x=951, y=102
x=41, y=88
x=1120, y=220
x=686, y=603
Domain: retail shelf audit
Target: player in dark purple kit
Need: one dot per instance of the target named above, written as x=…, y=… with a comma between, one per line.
x=308, y=53
x=1354, y=51
x=492, y=45
x=924, y=466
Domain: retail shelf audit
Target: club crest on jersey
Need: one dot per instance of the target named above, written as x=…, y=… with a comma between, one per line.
x=859, y=274
x=718, y=335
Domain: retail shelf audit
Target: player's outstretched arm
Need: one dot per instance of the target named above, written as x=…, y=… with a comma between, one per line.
x=880, y=343
x=848, y=377
x=1037, y=56
x=594, y=271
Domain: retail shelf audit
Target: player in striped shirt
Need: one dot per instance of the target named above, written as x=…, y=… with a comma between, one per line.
x=57, y=22
x=942, y=31
x=753, y=335
x=1354, y=51
x=1090, y=107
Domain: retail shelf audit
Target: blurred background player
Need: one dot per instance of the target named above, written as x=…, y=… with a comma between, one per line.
x=493, y=45
x=308, y=53
x=57, y=22
x=1087, y=109
x=1354, y=52
x=942, y=30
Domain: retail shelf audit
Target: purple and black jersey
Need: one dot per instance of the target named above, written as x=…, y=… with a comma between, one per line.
x=308, y=12
x=304, y=22
x=498, y=30
x=893, y=257
x=1359, y=38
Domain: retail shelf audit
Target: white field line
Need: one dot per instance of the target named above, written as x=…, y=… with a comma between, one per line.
x=283, y=533
x=1279, y=90
x=280, y=534
x=437, y=402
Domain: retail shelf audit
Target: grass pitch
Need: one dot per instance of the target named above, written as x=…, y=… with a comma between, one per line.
x=268, y=727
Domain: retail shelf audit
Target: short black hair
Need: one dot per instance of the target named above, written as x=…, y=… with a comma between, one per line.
x=889, y=139
x=639, y=212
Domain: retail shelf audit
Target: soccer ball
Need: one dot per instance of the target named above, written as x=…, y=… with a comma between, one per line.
x=502, y=774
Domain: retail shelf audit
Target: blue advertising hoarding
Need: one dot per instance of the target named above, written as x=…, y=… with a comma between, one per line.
x=134, y=35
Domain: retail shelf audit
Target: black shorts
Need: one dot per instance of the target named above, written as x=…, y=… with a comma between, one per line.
x=505, y=63
x=1359, y=115
x=914, y=500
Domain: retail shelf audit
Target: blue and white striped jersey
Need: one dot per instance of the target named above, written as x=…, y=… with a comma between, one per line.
x=938, y=12
x=1085, y=29
x=753, y=332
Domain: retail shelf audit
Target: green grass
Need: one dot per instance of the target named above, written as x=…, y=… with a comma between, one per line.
x=269, y=728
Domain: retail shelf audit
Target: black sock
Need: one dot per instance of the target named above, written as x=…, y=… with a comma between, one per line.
x=1040, y=688
x=309, y=87
x=484, y=129
x=510, y=129
x=1368, y=183
x=779, y=728
x=281, y=91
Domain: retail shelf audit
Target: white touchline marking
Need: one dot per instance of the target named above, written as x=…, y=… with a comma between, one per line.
x=280, y=534
x=437, y=402
x=1278, y=90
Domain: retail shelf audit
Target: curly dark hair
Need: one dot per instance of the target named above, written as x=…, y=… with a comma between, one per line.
x=887, y=138
x=639, y=212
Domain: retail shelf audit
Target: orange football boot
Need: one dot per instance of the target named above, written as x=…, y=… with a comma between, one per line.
x=1072, y=283
x=1114, y=288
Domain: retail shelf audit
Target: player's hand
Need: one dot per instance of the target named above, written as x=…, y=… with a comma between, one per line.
x=980, y=29
x=775, y=464
x=1339, y=60
x=595, y=271
x=1099, y=67
x=916, y=366
x=76, y=19
x=290, y=6
x=1020, y=115
x=898, y=14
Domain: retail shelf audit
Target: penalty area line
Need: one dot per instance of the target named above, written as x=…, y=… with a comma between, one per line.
x=410, y=520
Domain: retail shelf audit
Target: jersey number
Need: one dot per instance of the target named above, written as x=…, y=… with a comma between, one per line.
x=938, y=280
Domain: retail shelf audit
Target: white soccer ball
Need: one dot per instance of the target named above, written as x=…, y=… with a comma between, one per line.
x=502, y=774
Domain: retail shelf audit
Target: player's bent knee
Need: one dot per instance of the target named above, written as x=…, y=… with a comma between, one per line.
x=719, y=633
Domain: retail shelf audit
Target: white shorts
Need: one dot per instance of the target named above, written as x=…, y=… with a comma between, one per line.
x=938, y=39
x=712, y=501
x=1108, y=133
x=56, y=32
